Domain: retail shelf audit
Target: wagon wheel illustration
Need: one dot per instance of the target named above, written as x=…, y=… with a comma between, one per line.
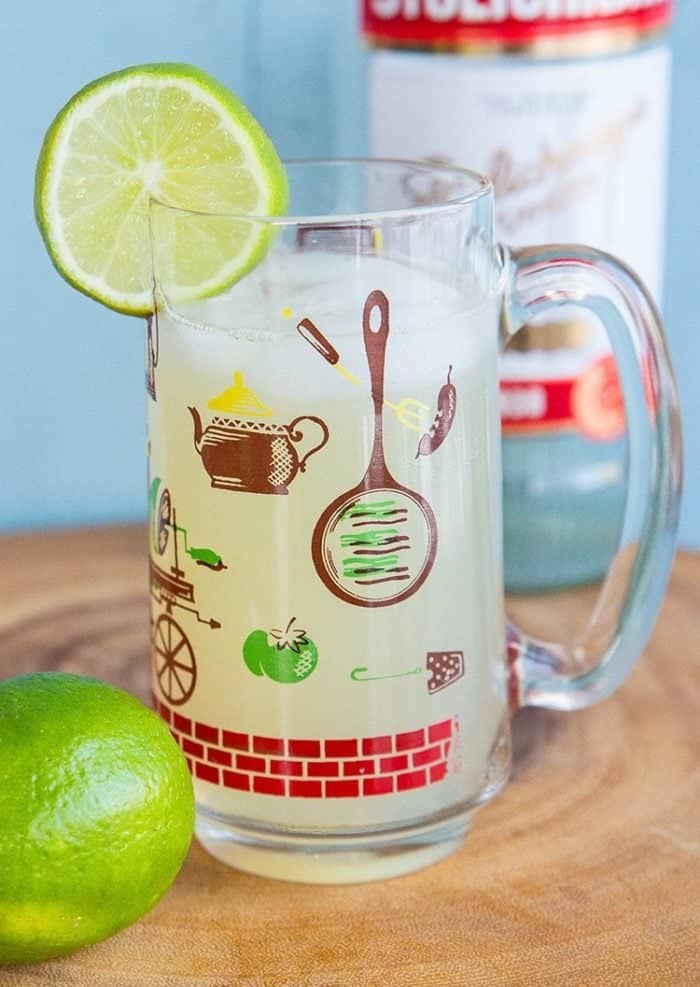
x=164, y=512
x=175, y=666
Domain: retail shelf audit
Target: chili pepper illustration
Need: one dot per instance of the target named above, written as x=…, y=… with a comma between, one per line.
x=442, y=422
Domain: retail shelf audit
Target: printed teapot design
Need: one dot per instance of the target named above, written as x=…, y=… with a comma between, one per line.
x=254, y=457
x=239, y=453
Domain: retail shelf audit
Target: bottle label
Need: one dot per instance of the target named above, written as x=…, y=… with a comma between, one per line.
x=483, y=24
x=575, y=155
x=590, y=403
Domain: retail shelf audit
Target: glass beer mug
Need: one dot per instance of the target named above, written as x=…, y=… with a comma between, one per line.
x=329, y=641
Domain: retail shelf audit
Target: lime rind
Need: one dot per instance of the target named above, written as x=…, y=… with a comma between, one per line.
x=109, y=160
x=97, y=813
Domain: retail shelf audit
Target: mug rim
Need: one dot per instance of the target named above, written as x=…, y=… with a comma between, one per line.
x=482, y=188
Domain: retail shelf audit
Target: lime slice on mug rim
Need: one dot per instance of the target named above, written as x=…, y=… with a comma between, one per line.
x=167, y=132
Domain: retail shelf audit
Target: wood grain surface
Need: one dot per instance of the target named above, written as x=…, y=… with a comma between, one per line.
x=585, y=871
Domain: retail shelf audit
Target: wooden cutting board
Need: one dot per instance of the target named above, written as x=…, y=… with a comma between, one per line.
x=585, y=871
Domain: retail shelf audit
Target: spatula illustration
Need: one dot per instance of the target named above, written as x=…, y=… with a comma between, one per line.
x=375, y=544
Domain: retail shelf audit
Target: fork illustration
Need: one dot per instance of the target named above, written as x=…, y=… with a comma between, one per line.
x=410, y=412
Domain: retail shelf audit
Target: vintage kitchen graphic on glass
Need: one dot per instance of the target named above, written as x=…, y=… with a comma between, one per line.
x=314, y=538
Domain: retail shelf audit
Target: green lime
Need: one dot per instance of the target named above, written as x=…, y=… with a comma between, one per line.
x=167, y=132
x=96, y=813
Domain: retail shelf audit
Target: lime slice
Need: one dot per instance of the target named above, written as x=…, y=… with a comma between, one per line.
x=167, y=132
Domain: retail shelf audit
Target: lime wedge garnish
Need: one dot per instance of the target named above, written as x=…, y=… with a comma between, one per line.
x=167, y=132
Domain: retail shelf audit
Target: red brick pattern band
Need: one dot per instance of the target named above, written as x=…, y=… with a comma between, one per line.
x=336, y=767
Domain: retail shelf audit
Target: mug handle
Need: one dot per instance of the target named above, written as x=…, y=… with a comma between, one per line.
x=576, y=673
x=296, y=435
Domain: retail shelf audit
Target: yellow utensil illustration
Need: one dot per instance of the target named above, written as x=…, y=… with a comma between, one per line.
x=410, y=412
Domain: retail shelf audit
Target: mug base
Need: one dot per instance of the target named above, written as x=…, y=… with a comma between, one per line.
x=353, y=860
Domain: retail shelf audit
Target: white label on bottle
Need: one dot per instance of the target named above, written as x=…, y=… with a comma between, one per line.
x=576, y=150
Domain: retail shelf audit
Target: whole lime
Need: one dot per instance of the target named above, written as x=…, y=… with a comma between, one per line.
x=96, y=813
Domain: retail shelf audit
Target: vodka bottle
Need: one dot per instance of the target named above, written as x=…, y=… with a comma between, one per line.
x=564, y=104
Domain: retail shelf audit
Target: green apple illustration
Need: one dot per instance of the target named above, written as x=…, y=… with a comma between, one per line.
x=282, y=655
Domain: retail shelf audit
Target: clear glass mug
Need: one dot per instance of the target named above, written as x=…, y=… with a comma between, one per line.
x=328, y=633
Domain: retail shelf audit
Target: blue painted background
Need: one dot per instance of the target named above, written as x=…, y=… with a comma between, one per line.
x=72, y=430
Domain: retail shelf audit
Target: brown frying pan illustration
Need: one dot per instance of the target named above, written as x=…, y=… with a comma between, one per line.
x=375, y=545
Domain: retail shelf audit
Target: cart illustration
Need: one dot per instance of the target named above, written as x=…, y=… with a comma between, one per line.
x=173, y=656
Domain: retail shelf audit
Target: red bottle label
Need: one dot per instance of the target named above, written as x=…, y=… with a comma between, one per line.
x=455, y=24
x=590, y=404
